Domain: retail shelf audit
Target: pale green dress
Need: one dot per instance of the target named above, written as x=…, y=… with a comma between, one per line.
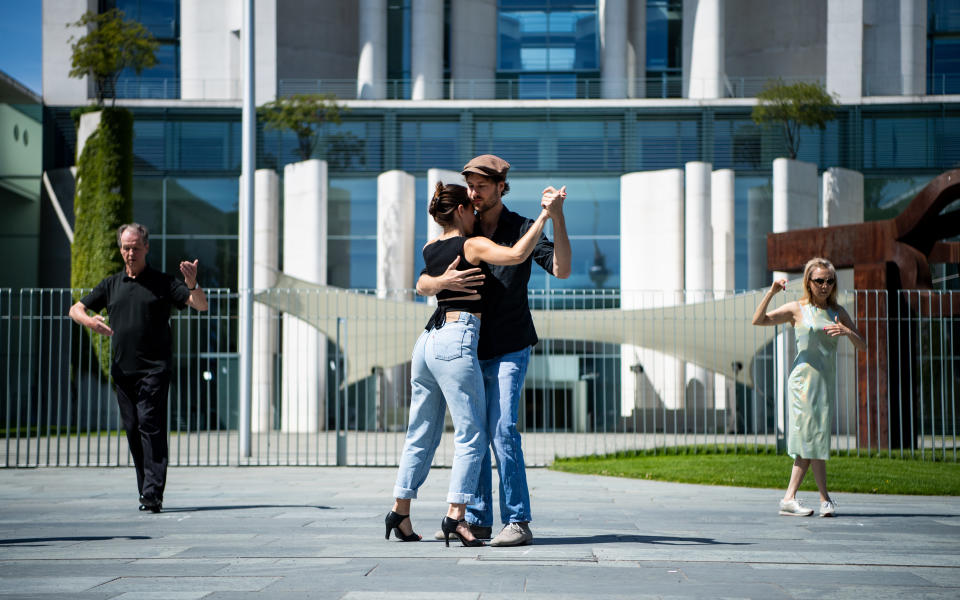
x=812, y=385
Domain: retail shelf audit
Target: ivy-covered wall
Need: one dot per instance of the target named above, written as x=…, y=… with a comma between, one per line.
x=103, y=202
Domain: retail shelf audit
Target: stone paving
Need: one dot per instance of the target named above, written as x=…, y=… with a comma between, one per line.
x=308, y=532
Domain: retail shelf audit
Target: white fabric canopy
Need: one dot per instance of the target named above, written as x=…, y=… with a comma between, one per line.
x=373, y=332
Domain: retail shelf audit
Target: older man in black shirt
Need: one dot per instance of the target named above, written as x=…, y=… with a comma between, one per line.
x=507, y=336
x=138, y=301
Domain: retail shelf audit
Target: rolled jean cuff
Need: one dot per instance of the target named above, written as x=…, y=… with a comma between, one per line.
x=404, y=493
x=461, y=498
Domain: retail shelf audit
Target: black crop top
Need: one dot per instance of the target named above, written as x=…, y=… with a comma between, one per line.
x=437, y=256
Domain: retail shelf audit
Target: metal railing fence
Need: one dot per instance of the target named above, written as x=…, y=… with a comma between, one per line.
x=613, y=371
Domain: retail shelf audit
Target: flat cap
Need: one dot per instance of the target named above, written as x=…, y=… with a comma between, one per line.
x=487, y=165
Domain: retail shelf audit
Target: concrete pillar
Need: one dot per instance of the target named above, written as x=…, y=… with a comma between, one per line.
x=698, y=279
x=613, y=48
x=845, y=48
x=913, y=46
x=722, y=195
x=843, y=205
x=426, y=49
x=651, y=225
x=266, y=263
x=473, y=48
x=795, y=206
x=637, y=50
x=703, y=49
x=304, y=381
x=372, y=64
x=396, y=217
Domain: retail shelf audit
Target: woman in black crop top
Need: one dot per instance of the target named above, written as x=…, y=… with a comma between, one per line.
x=445, y=370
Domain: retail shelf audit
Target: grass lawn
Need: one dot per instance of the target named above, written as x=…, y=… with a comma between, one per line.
x=766, y=469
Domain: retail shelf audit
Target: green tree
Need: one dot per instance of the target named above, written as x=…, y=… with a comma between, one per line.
x=111, y=45
x=302, y=114
x=794, y=106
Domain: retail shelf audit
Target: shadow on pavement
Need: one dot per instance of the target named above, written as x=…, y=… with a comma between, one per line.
x=241, y=507
x=898, y=515
x=81, y=538
x=635, y=539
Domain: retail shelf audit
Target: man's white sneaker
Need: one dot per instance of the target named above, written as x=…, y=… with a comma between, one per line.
x=514, y=534
x=793, y=508
x=828, y=509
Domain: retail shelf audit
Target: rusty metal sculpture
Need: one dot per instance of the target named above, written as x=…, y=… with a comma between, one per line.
x=892, y=255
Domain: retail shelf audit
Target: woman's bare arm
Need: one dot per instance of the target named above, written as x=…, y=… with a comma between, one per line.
x=479, y=248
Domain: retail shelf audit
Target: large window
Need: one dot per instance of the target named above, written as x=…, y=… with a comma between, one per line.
x=547, y=48
x=664, y=48
x=943, y=47
x=162, y=19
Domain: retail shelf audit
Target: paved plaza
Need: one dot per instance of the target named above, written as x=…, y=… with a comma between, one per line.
x=307, y=532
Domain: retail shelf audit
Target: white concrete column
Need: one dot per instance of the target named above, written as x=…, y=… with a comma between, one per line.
x=637, y=50
x=843, y=205
x=703, y=49
x=913, y=46
x=795, y=206
x=304, y=381
x=396, y=215
x=722, y=196
x=426, y=49
x=613, y=47
x=698, y=278
x=651, y=225
x=473, y=48
x=266, y=262
x=372, y=64
x=845, y=48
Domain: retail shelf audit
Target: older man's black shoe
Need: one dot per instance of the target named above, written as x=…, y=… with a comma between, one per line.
x=150, y=504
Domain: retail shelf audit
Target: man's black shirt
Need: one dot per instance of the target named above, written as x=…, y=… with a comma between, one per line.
x=506, y=324
x=139, y=311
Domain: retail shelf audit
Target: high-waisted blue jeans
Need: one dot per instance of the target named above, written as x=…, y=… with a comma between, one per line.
x=445, y=372
x=503, y=381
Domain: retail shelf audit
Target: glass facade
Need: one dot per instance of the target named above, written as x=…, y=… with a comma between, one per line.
x=547, y=44
x=943, y=47
x=187, y=164
x=162, y=19
x=664, y=48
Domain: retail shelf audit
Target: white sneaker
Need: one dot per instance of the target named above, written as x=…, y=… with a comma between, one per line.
x=794, y=508
x=828, y=509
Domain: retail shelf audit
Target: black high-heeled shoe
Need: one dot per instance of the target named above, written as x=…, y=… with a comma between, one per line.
x=393, y=521
x=448, y=526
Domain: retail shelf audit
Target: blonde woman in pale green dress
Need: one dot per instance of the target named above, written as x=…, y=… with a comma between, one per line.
x=818, y=322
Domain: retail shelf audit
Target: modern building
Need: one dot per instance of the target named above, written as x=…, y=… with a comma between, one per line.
x=21, y=166
x=571, y=92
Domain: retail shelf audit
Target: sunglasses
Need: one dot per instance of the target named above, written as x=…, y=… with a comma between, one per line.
x=821, y=281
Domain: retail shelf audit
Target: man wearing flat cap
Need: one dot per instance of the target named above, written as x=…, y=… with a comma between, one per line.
x=507, y=336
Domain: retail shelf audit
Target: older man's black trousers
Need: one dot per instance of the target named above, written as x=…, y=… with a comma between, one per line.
x=143, y=408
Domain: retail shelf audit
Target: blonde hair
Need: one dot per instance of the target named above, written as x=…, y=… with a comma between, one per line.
x=818, y=263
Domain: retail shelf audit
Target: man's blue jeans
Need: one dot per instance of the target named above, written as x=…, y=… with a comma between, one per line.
x=445, y=372
x=503, y=382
